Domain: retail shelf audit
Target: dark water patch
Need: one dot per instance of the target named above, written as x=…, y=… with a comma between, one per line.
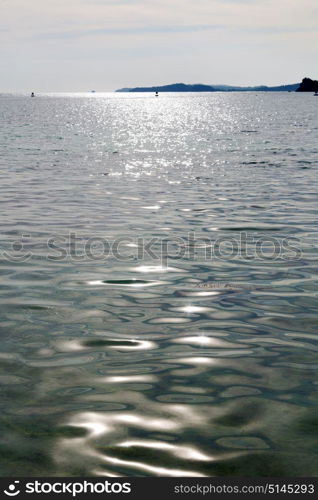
x=249, y=131
x=262, y=464
x=242, y=416
x=126, y=282
x=106, y=343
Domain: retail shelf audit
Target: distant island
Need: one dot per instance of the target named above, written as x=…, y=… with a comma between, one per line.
x=307, y=85
x=175, y=87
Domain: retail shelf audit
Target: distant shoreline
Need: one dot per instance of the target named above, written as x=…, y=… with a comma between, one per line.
x=307, y=85
x=181, y=87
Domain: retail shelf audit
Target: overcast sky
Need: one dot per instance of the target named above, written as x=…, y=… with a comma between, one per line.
x=74, y=45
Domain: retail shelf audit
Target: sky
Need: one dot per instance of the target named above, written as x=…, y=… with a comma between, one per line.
x=79, y=45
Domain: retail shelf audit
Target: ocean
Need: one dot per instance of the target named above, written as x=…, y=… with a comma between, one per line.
x=158, y=284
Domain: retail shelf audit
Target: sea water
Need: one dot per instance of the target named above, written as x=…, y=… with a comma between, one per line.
x=158, y=284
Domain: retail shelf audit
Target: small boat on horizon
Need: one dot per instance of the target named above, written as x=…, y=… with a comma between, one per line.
x=316, y=93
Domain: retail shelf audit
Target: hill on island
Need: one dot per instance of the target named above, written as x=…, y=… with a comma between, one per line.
x=308, y=85
x=199, y=87
x=175, y=87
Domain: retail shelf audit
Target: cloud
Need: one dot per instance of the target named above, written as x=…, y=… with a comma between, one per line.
x=137, y=30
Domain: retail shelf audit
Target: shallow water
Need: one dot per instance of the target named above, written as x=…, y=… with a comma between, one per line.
x=190, y=354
